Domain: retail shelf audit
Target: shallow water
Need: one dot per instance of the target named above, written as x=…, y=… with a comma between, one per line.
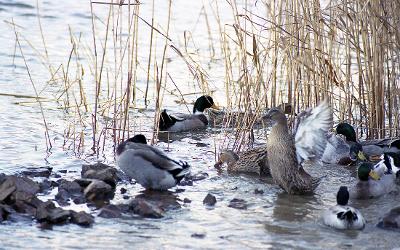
x=271, y=220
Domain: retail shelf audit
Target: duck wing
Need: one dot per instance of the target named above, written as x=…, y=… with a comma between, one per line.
x=158, y=159
x=336, y=149
x=310, y=137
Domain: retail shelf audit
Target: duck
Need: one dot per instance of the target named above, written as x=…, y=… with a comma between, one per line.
x=229, y=118
x=253, y=161
x=371, y=148
x=371, y=184
x=339, y=151
x=288, y=152
x=187, y=122
x=149, y=166
x=342, y=216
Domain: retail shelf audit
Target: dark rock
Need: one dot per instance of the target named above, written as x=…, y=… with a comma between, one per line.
x=37, y=172
x=71, y=187
x=63, y=171
x=6, y=189
x=110, y=211
x=55, y=175
x=198, y=235
x=68, y=190
x=59, y=216
x=5, y=211
x=123, y=190
x=238, y=204
x=99, y=190
x=43, y=211
x=209, y=200
x=84, y=182
x=391, y=220
x=24, y=184
x=101, y=172
x=146, y=209
x=186, y=200
x=3, y=177
x=45, y=226
x=199, y=176
x=82, y=218
x=258, y=191
x=179, y=190
x=186, y=182
x=79, y=200
x=45, y=185
x=125, y=197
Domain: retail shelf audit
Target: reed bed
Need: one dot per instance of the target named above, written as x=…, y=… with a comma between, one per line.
x=272, y=52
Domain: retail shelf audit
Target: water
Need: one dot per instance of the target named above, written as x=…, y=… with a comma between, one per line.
x=272, y=219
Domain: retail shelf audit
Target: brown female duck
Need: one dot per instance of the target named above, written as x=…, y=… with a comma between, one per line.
x=286, y=152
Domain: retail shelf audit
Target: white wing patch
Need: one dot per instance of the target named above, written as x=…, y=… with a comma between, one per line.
x=310, y=138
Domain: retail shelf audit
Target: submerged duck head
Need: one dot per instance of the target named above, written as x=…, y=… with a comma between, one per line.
x=365, y=170
x=202, y=103
x=347, y=130
x=166, y=120
x=342, y=197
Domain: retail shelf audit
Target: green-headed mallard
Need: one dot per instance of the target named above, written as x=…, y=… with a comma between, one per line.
x=339, y=151
x=251, y=161
x=342, y=216
x=286, y=152
x=370, y=184
x=150, y=167
x=371, y=148
x=187, y=122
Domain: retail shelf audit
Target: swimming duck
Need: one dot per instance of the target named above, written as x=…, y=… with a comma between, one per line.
x=339, y=151
x=186, y=122
x=370, y=184
x=251, y=161
x=371, y=148
x=150, y=167
x=342, y=216
x=286, y=153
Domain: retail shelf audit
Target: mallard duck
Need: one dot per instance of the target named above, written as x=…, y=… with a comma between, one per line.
x=150, y=167
x=251, y=161
x=342, y=216
x=370, y=184
x=371, y=148
x=286, y=152
x=186, y=122
x=227, y=118
x=387, y=165
x=339, y=151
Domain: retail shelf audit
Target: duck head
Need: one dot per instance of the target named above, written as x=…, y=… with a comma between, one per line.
x=139, y=138
x=365, y=170
x=356, y=152
x=166, y=121
x=342, y=197
x=276, y=116
x=202, y=103
x=347, y=130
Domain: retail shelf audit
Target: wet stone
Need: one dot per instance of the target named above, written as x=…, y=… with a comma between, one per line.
x=391, y=220
x=146, y=209
x=101, y=172
x=186, y=182
x=37, y=172
x=24, y=184
x=63, y=171
x=198, y=177
x=6, y=189
x=99, y=190
x=125, y=197
x=111, y=211
x=82, y=218
x=209, y=200
x=186, y=200
x=123, y=190
x=84, y=182
x=238, y=204
x=258, y=191
x=198, y=235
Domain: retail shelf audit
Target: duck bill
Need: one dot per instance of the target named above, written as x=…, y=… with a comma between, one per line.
x=374, y=175
x=361, y=156
x=215, y=107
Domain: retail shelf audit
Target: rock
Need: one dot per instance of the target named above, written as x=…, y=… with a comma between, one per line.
x=110, y=211
x=63, y=171
x=24, y=184
x=68, y=190
x=198, y=235
x=258, y=191
x=238, y=204
x=59, y=216
x=79, y=200
x=146, y=209
x=186, y=200
x=5, y=211
x=37, y=172
x=186, y=182
x=82, y=218
x=125, y=197
x=199, y=176
x=71, y=187
x=84, y=182
x=6, y=189
x=99, y=190
x=43, y=211
x=209, y=200
x=391, y=220
x=123, y=190
x=46, y=185
x=101, y=172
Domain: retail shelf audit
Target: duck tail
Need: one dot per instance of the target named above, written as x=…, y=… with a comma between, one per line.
x=180, y=173
x=348, y=216
x=226, y=156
